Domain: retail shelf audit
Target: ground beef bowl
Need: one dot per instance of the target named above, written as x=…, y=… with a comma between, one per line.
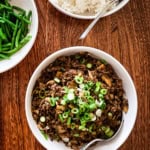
x=78, y=94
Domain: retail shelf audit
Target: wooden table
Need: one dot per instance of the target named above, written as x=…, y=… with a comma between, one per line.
x=125, y=35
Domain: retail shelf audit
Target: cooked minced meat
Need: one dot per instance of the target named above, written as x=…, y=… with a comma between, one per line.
x=78, y=98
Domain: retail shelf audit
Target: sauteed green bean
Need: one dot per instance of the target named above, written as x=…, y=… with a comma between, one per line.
x=14, y=23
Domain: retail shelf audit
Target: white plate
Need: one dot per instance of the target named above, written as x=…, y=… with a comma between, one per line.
x=117, y=8
x=18, y=57
x=128, y=85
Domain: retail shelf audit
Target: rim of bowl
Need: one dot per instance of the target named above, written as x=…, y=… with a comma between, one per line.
x=115, y=9
x=31, y=42
x=42, y=66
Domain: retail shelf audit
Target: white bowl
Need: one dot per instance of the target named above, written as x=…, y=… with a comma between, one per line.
x=128, y=85
x=18, y=57
x=117, y=8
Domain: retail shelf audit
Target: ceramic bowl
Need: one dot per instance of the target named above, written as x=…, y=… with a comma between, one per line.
x=115, y=9
x=128, y=85
x=33, y=29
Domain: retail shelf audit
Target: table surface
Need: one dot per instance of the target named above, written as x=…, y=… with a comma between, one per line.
x=125, y=35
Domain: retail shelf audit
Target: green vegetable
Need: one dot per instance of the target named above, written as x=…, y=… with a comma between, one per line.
x=79, y=79
x=65, y=115
x=98, y=86
x=44, y=134
x=42, y=119
x=103, y=91
x=75, y=110
x=69, y=121
x=61, y=118
x=14, y=24
x=89, y=65
x=110, y=133
x=103, y=61
x=102, y=105
x=53, y=101
x=57, y=80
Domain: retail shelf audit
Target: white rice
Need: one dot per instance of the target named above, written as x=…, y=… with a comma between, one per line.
x=82, y=6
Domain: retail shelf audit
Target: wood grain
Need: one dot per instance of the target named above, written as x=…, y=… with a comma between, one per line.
x=125, y=35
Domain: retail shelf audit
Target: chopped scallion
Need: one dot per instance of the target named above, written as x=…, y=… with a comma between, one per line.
x=89, y=65
x=103, y=91
x=42, y=119
x=79, y=79
x=57, y=80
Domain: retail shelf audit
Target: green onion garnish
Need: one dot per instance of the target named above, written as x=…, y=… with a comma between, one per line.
x=53, y=101
x=61, y=118
x=57, y=80
x=102, y=105
x=98, y=86
x=65, y=115
x=42, y=119
x=44, y=134
x=103, y=91
x=75, y=110
x=89, y=65
x=69, y=121
x=79, y=79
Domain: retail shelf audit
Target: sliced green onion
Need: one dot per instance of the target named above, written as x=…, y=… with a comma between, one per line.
x=89, y=65
x=92, y=106
x=73, y=125
x=90, y=128
x=42, y=94
x=66, y=89
x=82, y=127
x=63, y=102
x=79, y=79
x=57, y=80
x=98, y=86
x=90, y=99
x=42, y=119
x=103, y=128
x=75, y=110
x=82, y=108
x=107, y=129
x=53, y=101
x=103, y=91
x=90, y=84
x=65, y=115
x=110, y=114
x=77, y=56
x=110, y=133
x=61, y=118
x=101, y=96
x=44, y=135
x=76, y=135
x=102, y=105
x=70, y=96
x=103, y=61
x=69, y=121
x=86, y=93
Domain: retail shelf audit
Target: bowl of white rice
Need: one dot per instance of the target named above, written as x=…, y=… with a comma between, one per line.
x=86, y=9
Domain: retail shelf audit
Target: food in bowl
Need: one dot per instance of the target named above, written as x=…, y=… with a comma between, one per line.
x=85, y=7
x=14, y=24
x=78, y=98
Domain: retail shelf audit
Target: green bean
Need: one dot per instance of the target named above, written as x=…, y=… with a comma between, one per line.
x=21, y=44
x=14, y=34
x=17, y=38
x=2, y=6
x=2, y=56
x=8, y=21
x=2, y=35
x=0, y=44
x=18, y=9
